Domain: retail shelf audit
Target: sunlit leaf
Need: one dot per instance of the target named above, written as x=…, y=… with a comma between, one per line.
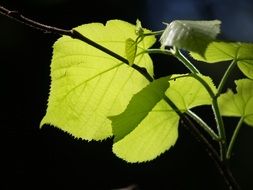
x=245, y=59
x=154, y=135
x=188, y=92
x=139, y=30
x=190, y=35
x=238, y=104
x=225, y=51
x=138, y=108
x=149, y=126
x=131, y=49
x=88, y=85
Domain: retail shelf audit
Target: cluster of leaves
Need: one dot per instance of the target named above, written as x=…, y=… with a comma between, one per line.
x=94, y=96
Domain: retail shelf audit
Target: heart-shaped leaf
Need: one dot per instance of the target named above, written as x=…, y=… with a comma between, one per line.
x=224, y=51
x=88, y=85
x=149, y=126
x=239, y=104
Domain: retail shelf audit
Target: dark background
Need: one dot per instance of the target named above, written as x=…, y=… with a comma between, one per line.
x=47, y=158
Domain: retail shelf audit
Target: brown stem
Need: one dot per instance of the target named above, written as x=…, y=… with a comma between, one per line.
x=222, y=167
x=73, y=34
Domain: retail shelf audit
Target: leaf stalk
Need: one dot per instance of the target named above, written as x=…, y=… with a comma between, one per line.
x=203, y=124
x=219, y=121
x=225, y=77
x=176, y=52
x=233, y=138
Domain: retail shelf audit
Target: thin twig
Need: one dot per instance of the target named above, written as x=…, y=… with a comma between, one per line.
x=223, y=168
x=71, y=33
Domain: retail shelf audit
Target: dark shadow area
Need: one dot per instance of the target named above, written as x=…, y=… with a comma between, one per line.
x=47, y=158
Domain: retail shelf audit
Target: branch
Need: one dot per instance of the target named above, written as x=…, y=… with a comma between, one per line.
x=73, y=34
x=223, y=168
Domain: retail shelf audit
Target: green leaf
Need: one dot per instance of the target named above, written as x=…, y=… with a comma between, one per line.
x=88, y=85
x=149, y=126
x=245, y=59
x=139, y=30
x=131, y=49
x=153, y=136
x=239, y=104
x=190, y=35
x=218, y=51
x=188, y=92
x=138, y=108
x=224, y=51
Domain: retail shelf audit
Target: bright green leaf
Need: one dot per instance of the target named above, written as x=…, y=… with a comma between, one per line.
x=138, y=108
x=139, y=30
x=239, y=104
x=188, y=92
x=245, y=59
x=149, y=126
x=153, y=136
x=218, y=51
x=225, y=51
x=88, y=85
x=190, y=35
x=131, y=49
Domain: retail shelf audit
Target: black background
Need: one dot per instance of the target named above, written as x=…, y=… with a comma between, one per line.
x=47, y=158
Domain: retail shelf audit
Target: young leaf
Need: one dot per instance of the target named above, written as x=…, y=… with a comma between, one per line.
x=190, y=35
x=224, y=51
x=88, y=84
x=239, y=104
x=131, y=49
x=149, y=126
x=139, y=30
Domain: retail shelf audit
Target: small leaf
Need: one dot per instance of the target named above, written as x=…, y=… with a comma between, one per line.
x=131, y=49
x=139, y=30
x=239, y=104
x=88, y=85
x=149, y=126
x=224, y=51
x=190, y=35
